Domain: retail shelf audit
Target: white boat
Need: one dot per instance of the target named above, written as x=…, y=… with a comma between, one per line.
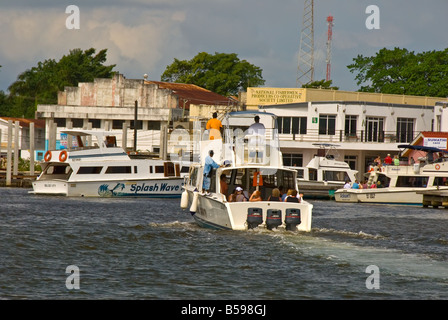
x=324, y=173
x=401, y=184
x=251, y=165
x=93, y=166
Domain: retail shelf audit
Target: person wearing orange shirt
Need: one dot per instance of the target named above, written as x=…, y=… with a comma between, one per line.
x=214, y=126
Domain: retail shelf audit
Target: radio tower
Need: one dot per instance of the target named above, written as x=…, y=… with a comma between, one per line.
x=330, y=36
x=305, y=69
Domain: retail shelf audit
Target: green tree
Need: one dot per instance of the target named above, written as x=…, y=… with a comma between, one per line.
x=400, y=71
x=322, y=84
x=222, y=73
x=40, y=84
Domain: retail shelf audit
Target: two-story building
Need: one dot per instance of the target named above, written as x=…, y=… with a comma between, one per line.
x=361, y=125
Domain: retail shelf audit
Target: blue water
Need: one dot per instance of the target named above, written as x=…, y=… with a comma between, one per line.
x=151, y=249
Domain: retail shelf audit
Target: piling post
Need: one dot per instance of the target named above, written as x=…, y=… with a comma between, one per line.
x=32, y=148
x=9, y=154
x=16, y=148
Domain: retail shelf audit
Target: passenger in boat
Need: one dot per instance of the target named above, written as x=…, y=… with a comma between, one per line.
x=396, y=160
x=379, y=184
x=373, y=185
x=347, y=185
x=240, y=197
x=209, y=165
x=377, y=161
x=388, y=160
x=224, y=186
x=355, y=185
x=292, y=197
x=364, y=184
x=214, y=126
x=275, y=196
x=256, y=196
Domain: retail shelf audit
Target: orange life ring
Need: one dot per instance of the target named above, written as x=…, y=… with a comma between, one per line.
x=437, y=166
x=63, y=156
x=47, y=156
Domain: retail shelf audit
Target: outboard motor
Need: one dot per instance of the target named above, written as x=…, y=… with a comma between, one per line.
x=273, y=218
x=292, y=219
x=254, y=217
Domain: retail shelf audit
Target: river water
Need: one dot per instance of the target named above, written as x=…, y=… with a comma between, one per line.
x=100, y=248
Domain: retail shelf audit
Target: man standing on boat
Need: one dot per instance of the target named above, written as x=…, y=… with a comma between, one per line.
x=256, y=133
x=214, y=126
x=209, y=165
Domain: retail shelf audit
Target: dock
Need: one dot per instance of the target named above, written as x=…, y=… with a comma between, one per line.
x=435, y=198
x=21, y=180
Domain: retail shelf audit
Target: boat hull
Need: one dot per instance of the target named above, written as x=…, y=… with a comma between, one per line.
x=384, y=196
x=152, y=188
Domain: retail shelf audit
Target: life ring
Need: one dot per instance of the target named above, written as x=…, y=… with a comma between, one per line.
x=437, y=166
x=47, y=156
x=63, y=156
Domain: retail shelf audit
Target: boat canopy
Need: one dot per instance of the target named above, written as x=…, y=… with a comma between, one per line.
x=421, y=148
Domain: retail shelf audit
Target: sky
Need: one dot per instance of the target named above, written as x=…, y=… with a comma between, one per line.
x=145, y=36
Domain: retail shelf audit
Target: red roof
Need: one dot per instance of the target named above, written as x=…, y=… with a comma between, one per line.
x=38, y=123
x=193, y=94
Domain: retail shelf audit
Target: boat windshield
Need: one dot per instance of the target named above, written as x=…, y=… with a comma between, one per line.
x=263, y=179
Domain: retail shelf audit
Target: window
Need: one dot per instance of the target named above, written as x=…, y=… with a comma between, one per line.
x=411, y=181
x=139, y=124
x=335, y=176
x=291, y=125
x=89, y=170
x=117, y=124
x=290, y=160
x=153, y=125
x=350, y=125
x=118, y=169
x=96, y=123
x=58, y=170
x=374, y=129
x=440, y=181
x=405, y=129
x=327, y=124
x=351, y=161
x=78, y=123
x=60, y=122
x=159, y=169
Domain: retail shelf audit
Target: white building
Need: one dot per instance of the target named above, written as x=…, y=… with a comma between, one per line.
x=362, y=130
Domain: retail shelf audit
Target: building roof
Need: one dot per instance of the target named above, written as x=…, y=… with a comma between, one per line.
x=25, y=123
x=193, y=94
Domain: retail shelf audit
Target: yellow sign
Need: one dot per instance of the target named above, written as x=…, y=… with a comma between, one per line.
x=266, y=96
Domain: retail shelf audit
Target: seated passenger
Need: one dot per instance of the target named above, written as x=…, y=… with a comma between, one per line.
x=292, y=197
x=256, y=196
x=240, y=197
x=275, y=195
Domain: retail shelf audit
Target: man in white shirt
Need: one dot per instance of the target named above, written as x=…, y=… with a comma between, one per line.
x=256, y=133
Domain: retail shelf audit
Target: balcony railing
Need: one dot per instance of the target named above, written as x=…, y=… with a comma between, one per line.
x=358, y=136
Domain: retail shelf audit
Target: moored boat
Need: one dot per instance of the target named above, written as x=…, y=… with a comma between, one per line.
x=324, y=173
x=402, y=184
x=94, y=166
